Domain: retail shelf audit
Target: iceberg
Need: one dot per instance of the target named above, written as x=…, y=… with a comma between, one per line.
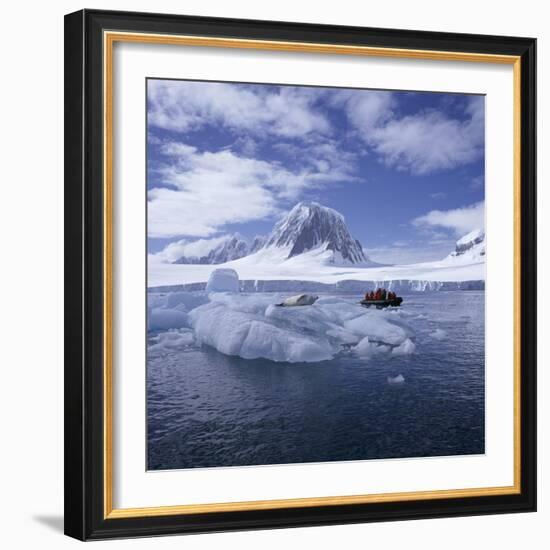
x=223, y=280
x=251, y=336
x=252, y=327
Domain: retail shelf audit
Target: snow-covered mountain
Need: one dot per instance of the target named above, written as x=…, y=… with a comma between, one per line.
x=312, y=246
x=272, y=268
x=309, y=226
x=231, y=248
x=258, y=242
x=470, y=248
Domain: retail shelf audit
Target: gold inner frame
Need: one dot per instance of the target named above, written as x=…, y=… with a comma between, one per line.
x=109, y=39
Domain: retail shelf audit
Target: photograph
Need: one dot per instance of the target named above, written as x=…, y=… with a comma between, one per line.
x=315, y=274
x=300, y=272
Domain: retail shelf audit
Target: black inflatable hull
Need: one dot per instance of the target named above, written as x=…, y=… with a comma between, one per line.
x=379, y=304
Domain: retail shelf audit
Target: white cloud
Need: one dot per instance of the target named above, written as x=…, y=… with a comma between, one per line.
x=207, y=191
x=366, y=109
x=460, y=220
x=204, y=191
x=328, y=160
x=421, y=143
x=201, y=247
x=246, y=145
x=281, y=111
x=428, y=142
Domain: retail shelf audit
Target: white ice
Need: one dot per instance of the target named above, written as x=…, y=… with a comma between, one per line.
x=236, y=330
x=223, y=280
x=172, y=339
x=438, y=334
x=366, y=349
x=185, y=301
x=252, y=326
x=164, y=319
x=272, y=265
x=405, y=348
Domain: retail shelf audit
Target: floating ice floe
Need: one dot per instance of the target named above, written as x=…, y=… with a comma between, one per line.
x=169, y=311
x=164, y=319
x=251, y=335
x=252, y=326
x=172, y=339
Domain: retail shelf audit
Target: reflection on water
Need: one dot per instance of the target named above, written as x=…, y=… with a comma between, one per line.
x=205, y=409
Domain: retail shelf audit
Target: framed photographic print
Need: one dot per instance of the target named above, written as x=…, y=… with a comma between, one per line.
x=300, y=274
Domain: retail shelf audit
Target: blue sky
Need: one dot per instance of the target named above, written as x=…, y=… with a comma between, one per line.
x=406, y=169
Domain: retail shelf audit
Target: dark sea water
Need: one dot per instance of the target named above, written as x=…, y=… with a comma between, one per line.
x=205, y=409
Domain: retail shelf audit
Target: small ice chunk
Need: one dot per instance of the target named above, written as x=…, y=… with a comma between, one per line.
x=406, y=348
x=172, y=339
x=365, y=348
x=438, y=334
x=399, y=379
x=164, y=319
x=223, y=280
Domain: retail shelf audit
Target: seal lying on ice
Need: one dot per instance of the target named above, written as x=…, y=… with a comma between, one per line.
x=299, y=300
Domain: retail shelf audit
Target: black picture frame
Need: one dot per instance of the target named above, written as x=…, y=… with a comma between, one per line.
x=84, y=282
